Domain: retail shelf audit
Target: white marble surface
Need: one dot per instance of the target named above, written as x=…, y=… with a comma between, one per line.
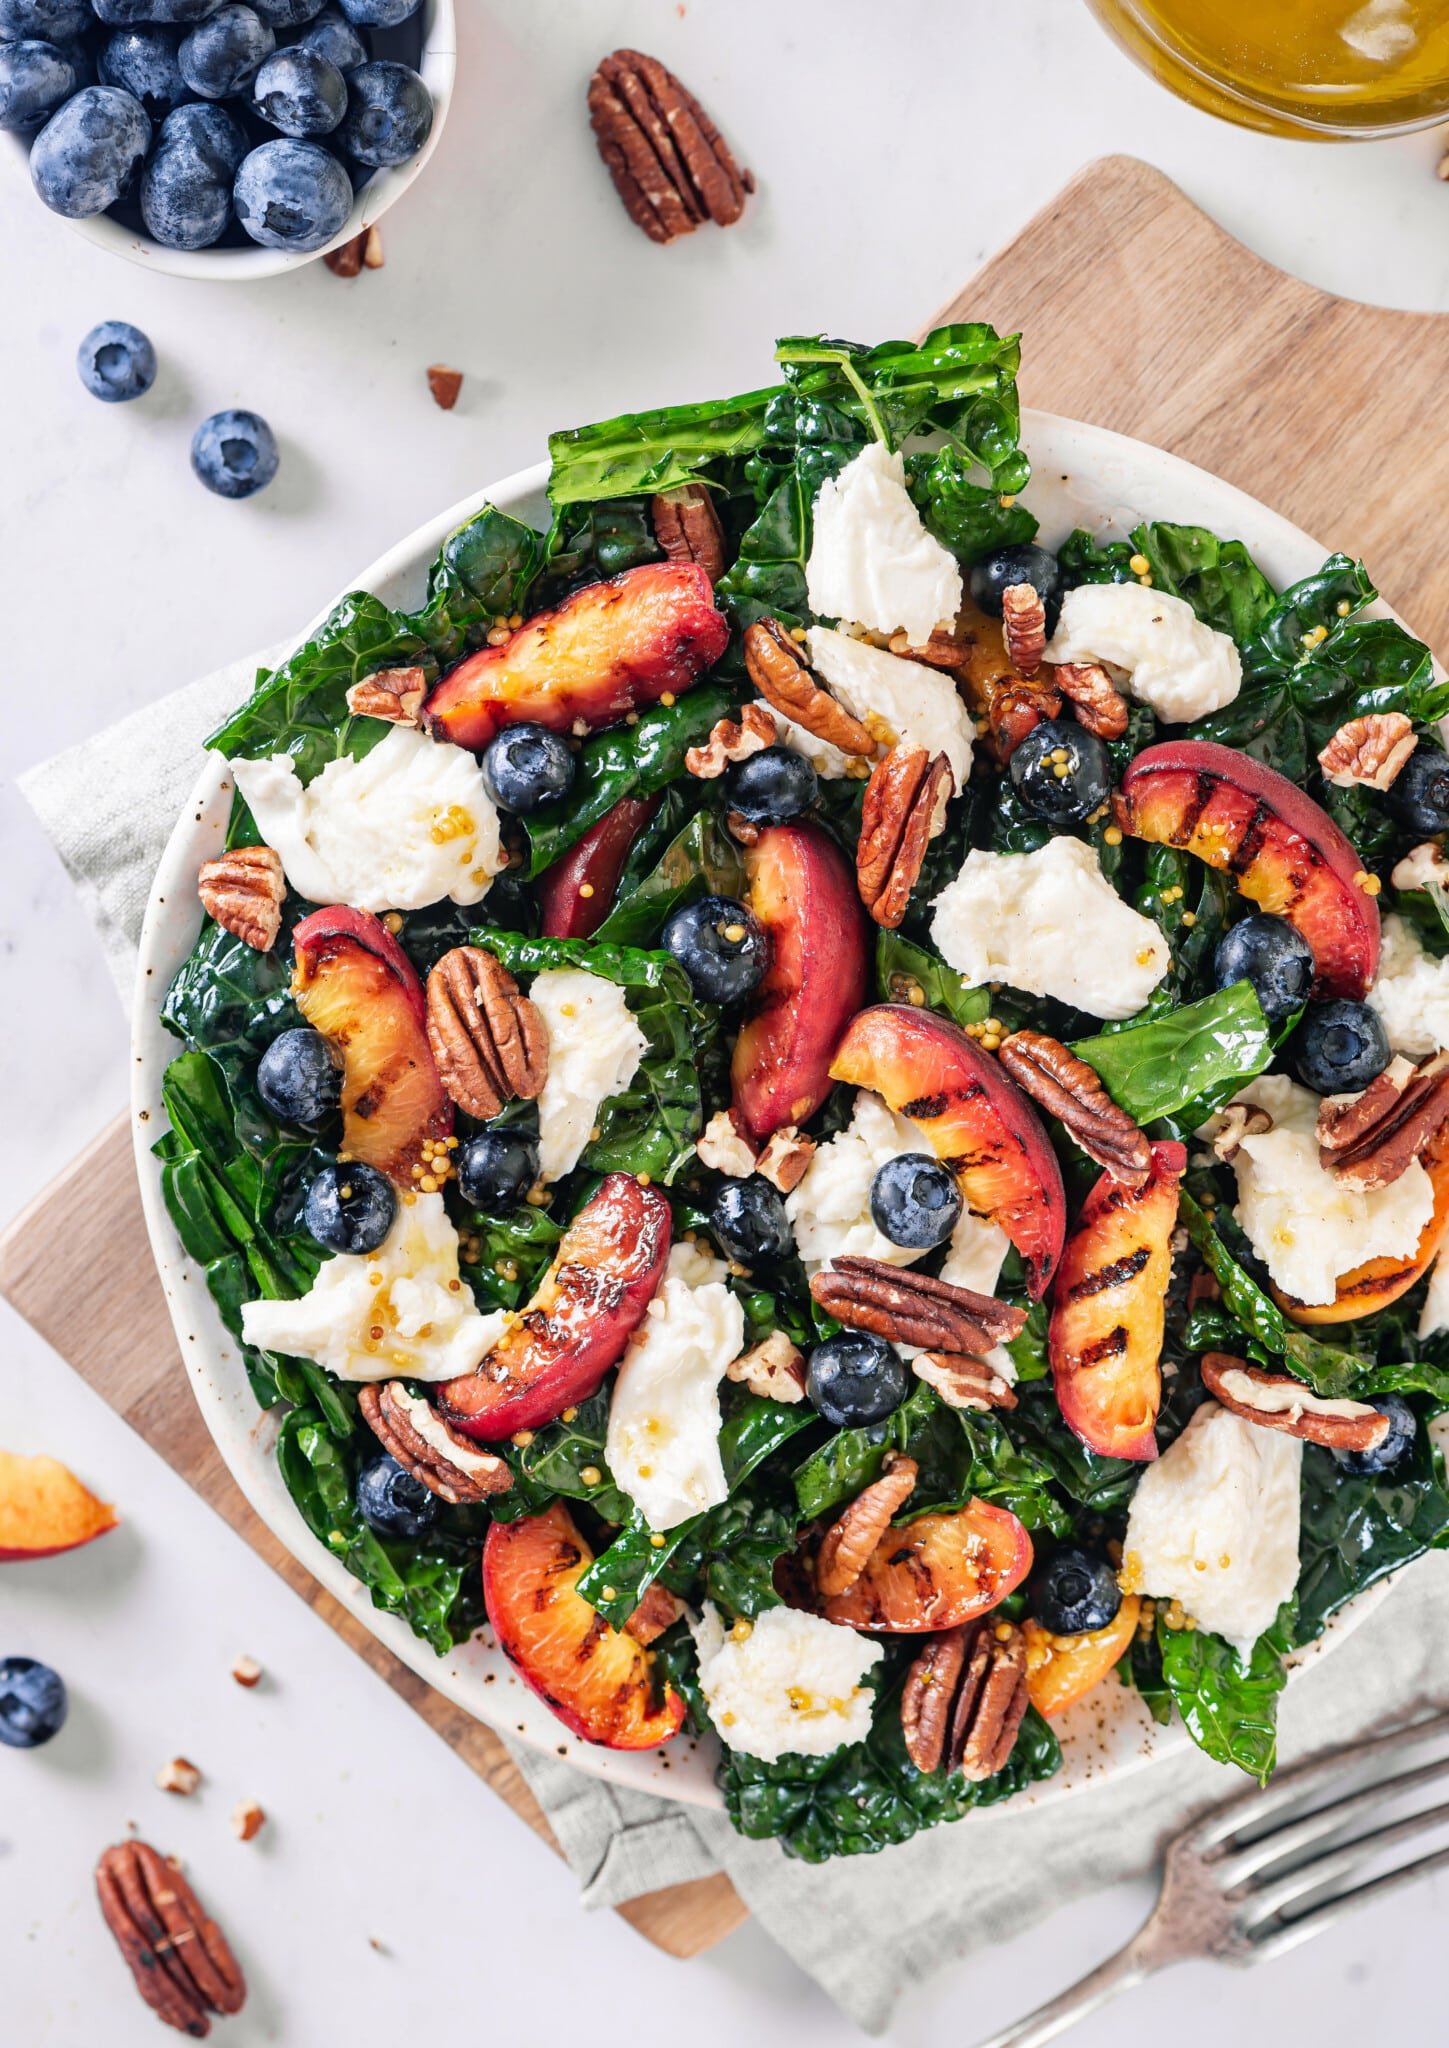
x=889, y=166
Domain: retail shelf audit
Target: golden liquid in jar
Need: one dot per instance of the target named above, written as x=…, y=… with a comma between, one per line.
x=1295, y=67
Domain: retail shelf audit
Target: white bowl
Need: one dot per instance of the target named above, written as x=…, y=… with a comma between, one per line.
x=1082, y=476
x=437, y=64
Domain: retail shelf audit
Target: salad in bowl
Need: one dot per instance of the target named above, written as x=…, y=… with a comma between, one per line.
x=831, y=1120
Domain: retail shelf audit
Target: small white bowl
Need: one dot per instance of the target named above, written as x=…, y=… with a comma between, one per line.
x=437, y=65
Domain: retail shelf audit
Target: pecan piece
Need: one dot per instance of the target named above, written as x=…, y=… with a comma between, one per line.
x=730, y=740
x=779, y=672
x=490, y=1042
x=963, y=1382
x=687, y=527
x=394, y=694
x=1015, y=708
x=180, y=1776
x=1238, y=1120
x=847, y=1545
x=1370, y=1139
x=949, y=647
x=242, y=891
x=247, y=1820
x=1368, y=751
x=787, y=1155
x=905, y=806
x=670, y=165
x=657, y=1611
x=180, y=1959
x=723, y=1146
x=1278, y=1401
x=428, y=1447
x=1068, y=1089
x=929, y=1694
x=773, y=1369
x=1023, y=626
x=346, y=259
x=1422, y=867
x=911, y=1308
x=1099, y=704
x=445, y=383
x=991, y=1703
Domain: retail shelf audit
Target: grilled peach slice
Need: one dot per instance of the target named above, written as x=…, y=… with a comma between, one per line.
x=589, y=1303
x=44, y=1509
x=595, y=1678
x=1060, y=1670
x=937, y=1571
x=593, y=864
x=1376, y=1283
x=1105, y=1338
x=1284, y=851
x=973, y=1116
x=609, y=649
x=353, y=982
x=802, y=889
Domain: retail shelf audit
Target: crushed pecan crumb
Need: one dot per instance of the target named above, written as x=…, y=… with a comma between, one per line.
x=180, y=1776
x=962, y=1381
x=732, y=740
x=774, y=1369
x=393, y=694
x=247, y=1820
x=445, y=383
x=786, y=1156
x=657, y=1611
x=246, y=1671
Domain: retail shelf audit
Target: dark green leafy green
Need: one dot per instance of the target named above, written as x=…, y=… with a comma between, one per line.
x=484, y=572
x=767, y=578
x=1218, y=578
x=552, y=1464
x=656, y=451
x=1357, y=1527
x=901, y=968
x=1228, y=1705
x=701, y=860
x=1190, y=1059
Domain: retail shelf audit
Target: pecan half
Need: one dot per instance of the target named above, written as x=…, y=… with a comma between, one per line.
x=1023, y=626
x=948, y=647
x=1068, y=1089
x=1370, y=1139
x=1368, y=751
x=929, y=1694
x=180, y=1959
x=1277, y=1401
x=1016, y=708
x=242, y=891
x=670, y=165
x=905, y=806
x=1099, y=704
x=912, y=1308
x=780, y=673
x=991, y=1703
x=787, y=1155
x=657, y=1611
x=490, y=1042
x=732, y=740
x=413, y=1432
x=723, y=1146
x=847, y=1545
x=773, y=1369
x=395, y=694
x=687, y=527
x=445, y=383
x=963, y=1382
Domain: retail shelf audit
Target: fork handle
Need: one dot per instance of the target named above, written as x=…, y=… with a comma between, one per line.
x=1119, y=1973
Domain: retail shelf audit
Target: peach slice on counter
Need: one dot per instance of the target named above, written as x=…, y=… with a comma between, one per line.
x=1377, y=1282
x=44, y=1509
x=594, y=863
x=936, y=1572
x=1060, y=1670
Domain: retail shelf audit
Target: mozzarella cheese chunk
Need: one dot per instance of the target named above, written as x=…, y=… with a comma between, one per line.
x=894, y=697
x=1306, y=1226
x=792, y=1687
x=1214, y=1524
x=1051, y=924
x=872, y=562
x=1174, y=662
x=407, y=825
x=594, y=1049
x=409, y=1291
x=664, y=1421
x=1410, y=991
x=1434, y=1316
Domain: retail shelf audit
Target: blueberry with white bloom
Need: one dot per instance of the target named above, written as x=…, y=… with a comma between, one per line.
x=721, y=946
x=332, y=36
x=52, y=21
x=298, y=1079
x=214, y=132
x=1075, y=1592
x=126, y=13
x=389, y=113
x=379, y=13
x=288, y=13
x=35, y=78
x=855, y=1378
x=915, y=1201
x=116, y=361
x=497, y=1168
x=90, y=151
x=771, y=787
x=234, y=453
x=527, y=765
x=33, y=1703
x=143, y=62
x=350, y=1208
x=749, y=1222
x=300, y=92
x=1061, y=771
x=292, y=195
x=223, y=54
x=186, y=185
x=1419, y=797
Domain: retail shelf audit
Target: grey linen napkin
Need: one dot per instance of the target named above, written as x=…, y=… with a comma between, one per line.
x=867, y=1927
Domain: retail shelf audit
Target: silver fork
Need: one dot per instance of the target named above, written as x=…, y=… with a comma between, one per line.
x=1254, y=1878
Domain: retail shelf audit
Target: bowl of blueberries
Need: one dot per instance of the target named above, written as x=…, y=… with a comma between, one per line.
x=224, y=138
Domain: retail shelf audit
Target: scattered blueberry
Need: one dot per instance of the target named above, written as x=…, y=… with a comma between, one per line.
x=186, y=185
x=771, y=787
x=116, y=362
x=35, y=78
x=288, y=13
x=332, y=36
x=749, y=1222
x=1403, y=1428
x=389, y=113
x=392, y=1502
x=1074, y=1592
x=496, y=1169
x=126, y=13
x=89, y=151
x=527, y=765
x=1021, y=563
x=350, y=1208
x=142, y=62
x=298, y=1079
x=300, y=93
x=855, y=1379
x=32, y=1702
x=379, y=13
x=234, y=453
x=223, y=54
x=52, y=21
x=1419, y=796
x=720, y=945
x=292, y=195
x=1061, y=772
x=1339, y=1047
x=1273, y=955
x=915, y=1201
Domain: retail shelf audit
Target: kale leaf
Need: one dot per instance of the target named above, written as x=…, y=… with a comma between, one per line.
x=1187, y=1062
x=1229, y=1705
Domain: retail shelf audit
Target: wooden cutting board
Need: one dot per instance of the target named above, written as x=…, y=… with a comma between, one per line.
x=1139, y=314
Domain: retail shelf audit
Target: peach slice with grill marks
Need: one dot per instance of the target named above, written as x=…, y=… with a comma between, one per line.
x=937, y=1571
x=44, y=1509
x=1060, y=1670
x=1283, y=850
x=1105, y=1338
x=1377, y=1282
x=596, y=1678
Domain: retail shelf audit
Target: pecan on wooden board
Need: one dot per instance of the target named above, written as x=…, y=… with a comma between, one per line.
x=1276, y=1400
x=848, y=1544
x=1023, y=625
x=1071, y=1091
x=455, y=1469
x=905, y=804
x=180, y=1959
x=670, y=165
x=782, y=676
x=687, y=527
x=490, y=1043
x=1368, y=752
x=242, y=891
x=732, y=740
x=393, y=694
x=963, y=1381
x=1099, y=705
x=906, y=1307
x=1369, y=1140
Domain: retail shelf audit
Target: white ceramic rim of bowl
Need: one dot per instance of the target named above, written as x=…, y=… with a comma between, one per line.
x=438, y=67
x=1104, y=1736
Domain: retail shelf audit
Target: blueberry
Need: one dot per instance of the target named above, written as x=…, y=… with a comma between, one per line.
x=32, y=1702
x=234, y=453
x=771, y=787
x=496, y=1170
x=1061, y=772
x=855, y=1378
x=350, y=1208
x=51, y=21
x=35, y=78
x=1022, y=563
x=298, y=1079
x=292, y=195
x=215, y=134
x=288, y=13
x=1340, y=1047
x=332, y=36
x=1419, y=797
x=126, y=13
x=185, y=195
x=749, y=1221
x=90, y=151
x=116, y=362
x=392, y=1502
x=914, y=1201
x=143, y=62
x=389, y=113
x=527, y=765
x=1271, y=954
x=1403, y=1428
x=223, y=54
x=300, y=93
x=379, y=13
x=720, y=945
x=1074, y=1592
